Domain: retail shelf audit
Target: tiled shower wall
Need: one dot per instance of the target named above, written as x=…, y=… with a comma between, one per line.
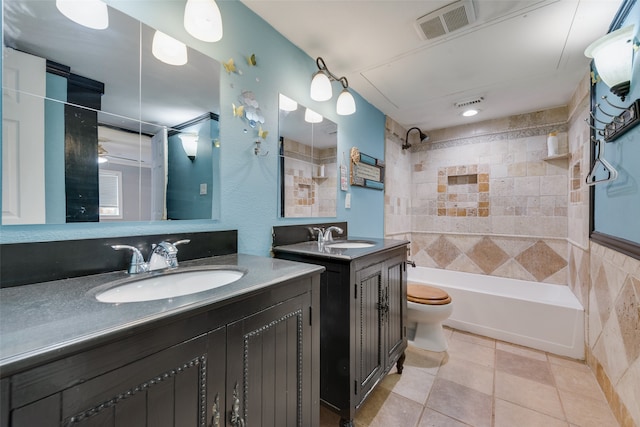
x=484, y=198
x=606, y=282
x=306, y=191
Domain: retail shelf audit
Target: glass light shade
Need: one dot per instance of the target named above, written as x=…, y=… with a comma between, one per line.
x=202, y=20
x=321, y=87
x=613, y=55
x=169, y=50
x=470, y=113
x=190, y=144
x=287, y=104
x=311, y=116
x=346, y=104
x=102, y=159
x=88, y=13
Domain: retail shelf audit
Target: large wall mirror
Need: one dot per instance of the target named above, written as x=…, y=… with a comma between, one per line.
x=97, y=128
x=308, y=162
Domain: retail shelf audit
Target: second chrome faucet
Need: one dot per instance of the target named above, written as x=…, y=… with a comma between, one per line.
x=325, y=236
x=163, y=255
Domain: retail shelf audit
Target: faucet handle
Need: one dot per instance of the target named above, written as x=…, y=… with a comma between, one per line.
x=320, y=231
x=181, y=242
x=137, y=264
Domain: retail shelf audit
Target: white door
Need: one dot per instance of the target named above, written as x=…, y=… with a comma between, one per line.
x=24, y=88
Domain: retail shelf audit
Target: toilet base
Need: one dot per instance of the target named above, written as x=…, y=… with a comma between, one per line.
x=430, y=336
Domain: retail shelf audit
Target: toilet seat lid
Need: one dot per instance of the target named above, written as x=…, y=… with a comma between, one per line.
x=425, y=294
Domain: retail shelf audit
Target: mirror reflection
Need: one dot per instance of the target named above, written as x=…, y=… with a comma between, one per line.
x=97, y=128
x=308, y=162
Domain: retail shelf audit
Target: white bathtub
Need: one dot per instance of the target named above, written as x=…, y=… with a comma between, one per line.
x=537, y=315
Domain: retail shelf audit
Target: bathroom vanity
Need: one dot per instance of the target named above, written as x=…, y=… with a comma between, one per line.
x=243, y=354
x=362, y=313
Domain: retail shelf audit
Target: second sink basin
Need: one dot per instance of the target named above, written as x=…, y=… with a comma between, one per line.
x=150, y=286
x=350, y=244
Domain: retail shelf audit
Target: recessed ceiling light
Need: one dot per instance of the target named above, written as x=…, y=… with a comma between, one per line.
x=470, y=113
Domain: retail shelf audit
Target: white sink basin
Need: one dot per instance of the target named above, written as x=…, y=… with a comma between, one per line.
x=168, y=285
x=349, y=245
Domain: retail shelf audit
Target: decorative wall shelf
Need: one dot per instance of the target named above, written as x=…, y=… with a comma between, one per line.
x=556, y=157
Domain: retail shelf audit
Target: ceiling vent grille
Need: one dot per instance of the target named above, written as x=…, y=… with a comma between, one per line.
x=469, y=102
x=446, y=20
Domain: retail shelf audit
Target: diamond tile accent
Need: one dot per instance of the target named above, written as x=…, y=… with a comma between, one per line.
x=487, y=255
x=628, y=312
x=443, y=251
x=541, y=261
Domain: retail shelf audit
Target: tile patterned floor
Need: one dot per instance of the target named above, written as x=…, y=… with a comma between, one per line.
x=482, y=382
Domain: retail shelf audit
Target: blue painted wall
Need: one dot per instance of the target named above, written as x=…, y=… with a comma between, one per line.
x=617, y=203
x=249, y=183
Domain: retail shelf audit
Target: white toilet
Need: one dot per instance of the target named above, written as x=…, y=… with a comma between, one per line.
x=427, y=308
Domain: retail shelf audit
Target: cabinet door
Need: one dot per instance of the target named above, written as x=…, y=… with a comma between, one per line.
x=167, y=389
x=269, y=367
x=369, y=312
x=395, y=303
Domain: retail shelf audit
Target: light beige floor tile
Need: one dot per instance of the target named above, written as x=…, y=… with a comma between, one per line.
x=528, y=393
x=524, y=367
x=468, y=374
x=414, y=383
x=460, y=402
x=475, y=339
x=521, y=351
x=397, y=412
x=328, y=418
x=470, y=352
x=431, y=418
x=577, y=381
x=508, y=414
x=569, y=363
x=428, y=361
x=586, y=412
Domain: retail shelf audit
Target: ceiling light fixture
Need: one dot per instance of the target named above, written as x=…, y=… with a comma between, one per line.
x=169, y=50
x=202, y=20
x=423, y=138
x=470, y=113
x=89, y=13
x=613, y=57
x=190, y=144
x=321, y=89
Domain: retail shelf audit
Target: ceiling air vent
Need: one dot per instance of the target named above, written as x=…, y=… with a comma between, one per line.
x=446, y=20
x=469, y=102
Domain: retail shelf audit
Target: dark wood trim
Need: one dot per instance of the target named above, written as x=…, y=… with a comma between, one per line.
x=206, y=116
x=621, y=14
x=626, y=247
x=58, y=69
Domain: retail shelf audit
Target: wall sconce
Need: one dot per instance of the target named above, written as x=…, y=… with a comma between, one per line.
x=102, y=154
x=168, y=50
x=423, y=138
x=311, y=116
x=321, y=89
x=613, y=57
x=190, y=144
x=89, y=13
x=202, y=20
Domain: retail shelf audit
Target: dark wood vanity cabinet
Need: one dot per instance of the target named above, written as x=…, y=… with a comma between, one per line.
x=362, y=324
x=249, y=363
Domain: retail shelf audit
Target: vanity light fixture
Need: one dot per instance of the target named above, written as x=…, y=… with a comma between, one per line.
x=168, y=50
x=202, y=20
x=613, y=57
x=190, y=144
x=287, y=104
x=321, y=89
x=101, y=154
x=311, y=116
x=89, y=13
x=423, y=138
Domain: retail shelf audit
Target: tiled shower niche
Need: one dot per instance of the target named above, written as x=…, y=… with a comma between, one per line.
x=463, y=191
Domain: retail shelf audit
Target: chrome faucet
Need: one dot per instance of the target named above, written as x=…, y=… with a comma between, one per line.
x=163, y=255
x=328, y=237
x=320, y=235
